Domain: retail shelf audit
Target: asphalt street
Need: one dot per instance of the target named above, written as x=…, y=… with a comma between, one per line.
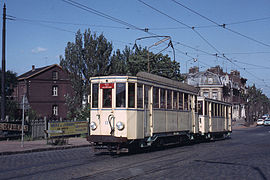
x=245, y=156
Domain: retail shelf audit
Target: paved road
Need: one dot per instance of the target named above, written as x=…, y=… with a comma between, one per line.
x=245, y=156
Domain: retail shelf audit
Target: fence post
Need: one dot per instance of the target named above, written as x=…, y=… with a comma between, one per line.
x=46, y=129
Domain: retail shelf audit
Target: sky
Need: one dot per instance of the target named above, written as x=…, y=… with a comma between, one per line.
x=38, y=31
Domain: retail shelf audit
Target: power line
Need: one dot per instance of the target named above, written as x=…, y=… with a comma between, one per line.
x=190, y=27
x=98, y=13
x=68, y=23
x=223, y=25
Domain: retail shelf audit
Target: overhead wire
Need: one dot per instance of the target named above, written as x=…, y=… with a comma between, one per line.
x=223, y=25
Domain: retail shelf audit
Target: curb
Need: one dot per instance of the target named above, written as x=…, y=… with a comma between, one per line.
x=42, y=149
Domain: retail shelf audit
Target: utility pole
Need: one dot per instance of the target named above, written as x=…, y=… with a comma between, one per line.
x=3, y=94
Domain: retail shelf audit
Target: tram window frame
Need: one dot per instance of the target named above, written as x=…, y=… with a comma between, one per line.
x=206, y=108
x=131, y=95
x=175, y=100
x=95, y=95
x=212, y=109
x=162, y=98
x=146, y=96
x=181, y=103
x=121, y=96
x=216, y=109
x=196, y=105
x=155, y=97
x=107, y=100
x=139, y=95
x=200, y=107
x=186, y=100
x=169, y=99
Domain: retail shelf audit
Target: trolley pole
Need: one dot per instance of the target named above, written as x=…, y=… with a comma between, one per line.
x=3, y=94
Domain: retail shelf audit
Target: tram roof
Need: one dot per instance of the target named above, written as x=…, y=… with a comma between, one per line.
x=166, y=81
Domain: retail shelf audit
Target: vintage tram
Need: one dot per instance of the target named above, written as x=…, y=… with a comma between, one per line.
x=148, y=110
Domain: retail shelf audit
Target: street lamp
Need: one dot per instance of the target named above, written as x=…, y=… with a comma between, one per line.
x=165, y=38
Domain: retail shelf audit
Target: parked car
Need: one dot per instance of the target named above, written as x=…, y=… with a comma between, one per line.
x=266, y=122
x=260, y=122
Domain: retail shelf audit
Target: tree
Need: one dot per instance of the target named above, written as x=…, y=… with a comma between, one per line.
x=87, y=56
x=257, y=103
x=131, y=62
x=11, y=105
x=90, y=55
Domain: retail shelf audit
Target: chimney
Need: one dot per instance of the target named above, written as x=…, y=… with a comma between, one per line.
x=33, y=67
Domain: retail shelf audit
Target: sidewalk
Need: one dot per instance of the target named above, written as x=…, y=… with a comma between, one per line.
x=240, y=124
x=14, y=146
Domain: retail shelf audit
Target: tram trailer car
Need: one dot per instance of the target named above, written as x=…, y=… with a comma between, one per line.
x=142, y=111
x=214, y=118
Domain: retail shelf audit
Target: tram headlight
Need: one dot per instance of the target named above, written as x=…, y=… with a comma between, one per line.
x=120, y=126
x=93, y=126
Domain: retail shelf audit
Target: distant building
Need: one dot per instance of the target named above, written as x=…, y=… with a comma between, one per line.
x=216, y=84
x=45, y=89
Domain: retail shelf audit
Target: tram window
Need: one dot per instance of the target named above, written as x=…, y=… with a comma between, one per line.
x=139, y=96
x=156, y=97
x=162, y=98
x=196, y=107
x=120, y=94
x=107, y=98
x=169, y=99
x=200, y=107
x=131, y=95
x=185, y=101
x=216, y=109
x=95, y=96
x=206, y=104
x=175, y=100
x=180, y=101
x=146, y=96
x=212, y=109
x=189, y=102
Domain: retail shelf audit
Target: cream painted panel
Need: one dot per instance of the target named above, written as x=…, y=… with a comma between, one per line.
x=140, y=125
x=171, y=121
x=94, y=118
x=159, y=121
x=131, y=124
x=121, y=115
x=184, y=121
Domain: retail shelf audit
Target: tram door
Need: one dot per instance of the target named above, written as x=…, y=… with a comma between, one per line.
x=147, y=110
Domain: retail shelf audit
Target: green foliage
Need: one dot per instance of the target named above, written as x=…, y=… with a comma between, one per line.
x=91, y=55
x=11, y=105
x=257, y=102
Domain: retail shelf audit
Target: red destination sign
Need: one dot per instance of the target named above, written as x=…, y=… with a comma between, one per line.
x=107, y=86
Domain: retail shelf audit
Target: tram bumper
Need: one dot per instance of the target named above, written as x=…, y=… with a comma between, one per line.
x=106, y=139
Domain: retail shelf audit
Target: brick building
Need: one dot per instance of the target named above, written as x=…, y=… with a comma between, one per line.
x=45, y=89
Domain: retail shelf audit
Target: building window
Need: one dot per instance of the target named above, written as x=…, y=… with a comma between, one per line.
x=206, y=94
x=55, y=75
x=55, y=91
x=215, y=95
x=55, y=110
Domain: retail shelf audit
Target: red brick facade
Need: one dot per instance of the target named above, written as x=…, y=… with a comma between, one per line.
x=45, y=89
